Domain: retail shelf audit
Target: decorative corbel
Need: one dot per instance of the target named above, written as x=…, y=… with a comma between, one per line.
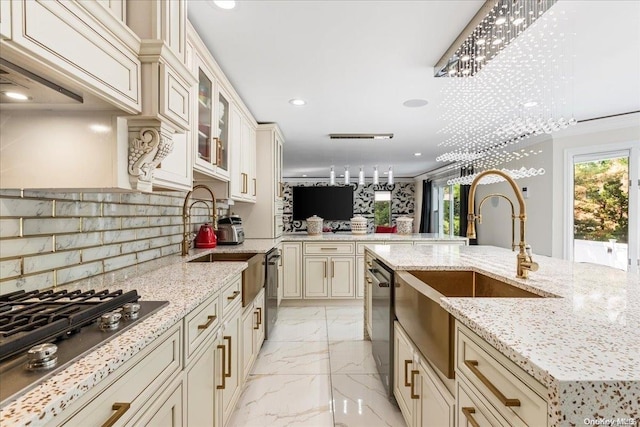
x=148, y=146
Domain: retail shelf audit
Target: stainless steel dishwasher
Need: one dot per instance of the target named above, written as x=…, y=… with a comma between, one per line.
x=382, y=317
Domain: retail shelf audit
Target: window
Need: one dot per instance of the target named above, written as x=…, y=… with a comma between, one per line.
x=382, y=207
x=448, y=215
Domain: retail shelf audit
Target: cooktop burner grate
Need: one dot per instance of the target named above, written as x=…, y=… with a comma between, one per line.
x=29, y=318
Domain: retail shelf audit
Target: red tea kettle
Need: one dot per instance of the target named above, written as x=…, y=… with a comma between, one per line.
x=206, y=238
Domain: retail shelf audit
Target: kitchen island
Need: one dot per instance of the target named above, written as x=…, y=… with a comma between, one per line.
x=582, y=342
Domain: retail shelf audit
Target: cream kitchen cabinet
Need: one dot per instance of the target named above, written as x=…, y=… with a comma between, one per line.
x=167, y=410
x=232, y=379
x=202, y=379
x=252, y=333
x=243, y=183
x=316, y=277
x=422, y=398
x=329, y=277
x=292, y=270
x=280, y=276
x=497, y=383
x=81, y=45
x=134, y=388
x=264, y=218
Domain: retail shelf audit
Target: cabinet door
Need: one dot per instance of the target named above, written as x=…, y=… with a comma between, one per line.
x=342, y=277
x=436, y=407
x=5, y=19
x=247, y=342
x=176, y=170
x=201, y=380
x=166, y=411
x=278, y=183
x=226, y=134
x=360, y=277
x=292, y=270
x=204, y=140
x=316, y=277
x=405, y=371
x=231, y=336
x=258, y=330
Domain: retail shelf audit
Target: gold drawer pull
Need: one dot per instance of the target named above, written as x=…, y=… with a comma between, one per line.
x=468, y=415
x=228, y=338
x=413, y=383
x=473, y=367
x=234, y=295
x=406, y=373
x=257, y=326
x=120, y=408
x=224, y=377
x=328, y=249
x=259, y=315
x=210, y=320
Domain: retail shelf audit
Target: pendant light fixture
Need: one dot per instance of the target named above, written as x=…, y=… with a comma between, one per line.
x=390, y=175
x=376, y=179
x=361, y=176
x=346, y=175
x=332, y=176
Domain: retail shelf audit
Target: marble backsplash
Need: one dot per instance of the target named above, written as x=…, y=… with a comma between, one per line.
x=53, y=238
x=402, y=204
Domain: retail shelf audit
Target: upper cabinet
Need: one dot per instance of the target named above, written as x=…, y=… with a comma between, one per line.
x=127, y=64
x=223, y=131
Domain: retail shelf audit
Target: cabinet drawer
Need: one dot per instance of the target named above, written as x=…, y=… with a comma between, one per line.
x=360, y=246
x=515, y=394
x=231, y=296
x=328, y=248
x=136, y=384
x=471, y=408
x=201, y=323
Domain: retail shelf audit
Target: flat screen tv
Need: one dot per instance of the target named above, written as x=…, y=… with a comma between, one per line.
x=330, y=203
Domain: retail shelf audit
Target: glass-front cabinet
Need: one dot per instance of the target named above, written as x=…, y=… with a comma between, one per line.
x=212, y=154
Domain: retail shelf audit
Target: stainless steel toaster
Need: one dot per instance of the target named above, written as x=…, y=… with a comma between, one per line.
x=230, y=231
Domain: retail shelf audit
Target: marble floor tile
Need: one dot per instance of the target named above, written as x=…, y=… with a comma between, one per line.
x=352, y=357
x=299, y=330
x=299, y=357
x=345, y=313
x=345, y=329
x=307, y=313
x=360, y=400
x=284, y=400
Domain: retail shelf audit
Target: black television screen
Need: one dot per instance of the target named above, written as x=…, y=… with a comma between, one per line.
x=330, y=203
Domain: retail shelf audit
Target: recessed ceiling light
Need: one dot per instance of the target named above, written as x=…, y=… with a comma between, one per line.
x=417, y=154
x=225, y=4
x=297, y=101
x=518, y=21
x=496, y=42
x=414, y=103
x=501, y=20
x=17, y=96
x=530, y=104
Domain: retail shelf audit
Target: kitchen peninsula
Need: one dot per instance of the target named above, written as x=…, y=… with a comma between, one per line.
x=580, y=342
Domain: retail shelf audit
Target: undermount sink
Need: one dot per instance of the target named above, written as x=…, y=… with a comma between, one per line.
x=431, y=327
x=470, y=284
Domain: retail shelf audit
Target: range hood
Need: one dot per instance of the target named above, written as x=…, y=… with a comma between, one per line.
x=38, y=90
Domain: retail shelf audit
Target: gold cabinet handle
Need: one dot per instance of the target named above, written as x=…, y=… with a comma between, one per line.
x=228, y=374
x=120, y=408
x=325, y=269
x=328, y=249
x=473, y=367
x=218, y=151
x=255, y=186
x=234, y=295
x=224, y=376
x=406, y=373
x=413, y=383
x=257, y=326
x=333, y=269
x=210, y=320
x=259, y=315
x=468, y=415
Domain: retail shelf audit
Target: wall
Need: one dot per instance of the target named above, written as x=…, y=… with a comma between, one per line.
x=495, y=229
x=402, y=204
x=53, y=238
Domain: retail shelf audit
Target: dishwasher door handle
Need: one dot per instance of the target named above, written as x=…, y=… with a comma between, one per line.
x=372, y=273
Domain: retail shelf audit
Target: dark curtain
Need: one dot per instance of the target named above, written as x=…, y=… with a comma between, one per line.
x=425, y=218
x=464, y=205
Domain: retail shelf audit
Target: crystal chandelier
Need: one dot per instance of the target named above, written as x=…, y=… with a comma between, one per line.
x=491, y=179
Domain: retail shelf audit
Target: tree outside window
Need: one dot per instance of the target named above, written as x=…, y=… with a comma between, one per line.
x=382, y=208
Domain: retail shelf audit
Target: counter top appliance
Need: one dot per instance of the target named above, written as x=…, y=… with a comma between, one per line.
x=43, y=332
x=230, y=231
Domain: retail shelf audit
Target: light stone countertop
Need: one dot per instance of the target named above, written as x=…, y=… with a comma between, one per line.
x=304, y=237
x=584, y=345
x=258, y=246
x=183, y=284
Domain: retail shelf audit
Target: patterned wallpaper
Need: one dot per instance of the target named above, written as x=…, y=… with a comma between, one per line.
x=53, y=238
x=402, y=204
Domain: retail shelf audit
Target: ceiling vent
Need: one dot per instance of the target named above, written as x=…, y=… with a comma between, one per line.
x=360, y=135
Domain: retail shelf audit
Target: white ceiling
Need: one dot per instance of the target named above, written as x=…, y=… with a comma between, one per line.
x=356, y=62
